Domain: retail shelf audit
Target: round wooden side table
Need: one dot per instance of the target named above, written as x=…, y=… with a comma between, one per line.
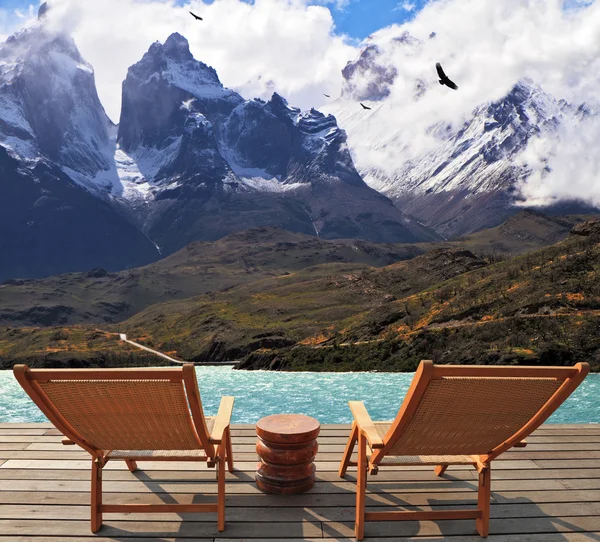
x=287, y=446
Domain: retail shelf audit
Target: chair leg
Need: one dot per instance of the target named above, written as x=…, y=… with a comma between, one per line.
x=483, y=501
x=440, y=469
x=96, y=500
x=361, y=487
x=349, y=449
x=131, y=465
x=229, y=450
x=221, y=488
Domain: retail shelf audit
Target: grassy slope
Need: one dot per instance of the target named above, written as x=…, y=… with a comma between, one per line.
x=307, y=307
x=69, y=347
x=100, y=298
x=542, y=307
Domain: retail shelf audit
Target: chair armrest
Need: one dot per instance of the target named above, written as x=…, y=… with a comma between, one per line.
x=365, y=424
x=223, y=419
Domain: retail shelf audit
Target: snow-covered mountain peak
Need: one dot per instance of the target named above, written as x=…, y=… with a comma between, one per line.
x=49, y=107
x=173, y=63
x=38, y=45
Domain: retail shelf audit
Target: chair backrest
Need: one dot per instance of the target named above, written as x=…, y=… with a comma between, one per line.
x=121, y=409
x=476, y=410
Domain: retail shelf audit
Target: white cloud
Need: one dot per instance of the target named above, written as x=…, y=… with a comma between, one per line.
x=286, y=46
x=13, y=19
x=406, y=6
x=486, y=46
x=338, y=4
x=575, y=165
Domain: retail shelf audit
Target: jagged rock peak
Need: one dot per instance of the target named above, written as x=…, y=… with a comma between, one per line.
x=175, y=47
x=43, y=10
x=365, y=78
x=587, y=229
x=175, y=51
x=279, y=101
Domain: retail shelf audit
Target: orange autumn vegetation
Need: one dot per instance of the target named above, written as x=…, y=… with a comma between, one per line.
x=313, y=341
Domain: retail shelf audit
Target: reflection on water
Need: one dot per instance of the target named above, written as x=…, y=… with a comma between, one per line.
x=322, y=395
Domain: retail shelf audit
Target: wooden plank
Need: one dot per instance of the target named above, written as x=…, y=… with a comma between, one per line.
x=533, y=451
x=307, y=499
x=458, y=528
x=160, y=529
x=341, y=440
x=558, y=464
x=245, y=476
x=438, y=486
x=25, y=425
x=30, y=438
x=74, y=452
x=239, y=501
x=40, y=431
x=248, y=476
x=295, y=514
x=585, y=483
x=583, y=426
x=243, y=466
x=4, y=446
x=536, y=438
x=568, y=495
x=560, y=474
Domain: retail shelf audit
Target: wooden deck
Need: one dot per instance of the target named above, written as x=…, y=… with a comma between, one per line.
x=547, y=492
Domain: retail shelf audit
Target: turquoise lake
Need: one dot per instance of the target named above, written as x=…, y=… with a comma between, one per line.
x=324, y=396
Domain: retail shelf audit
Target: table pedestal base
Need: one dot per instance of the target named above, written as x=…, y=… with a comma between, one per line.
x=287, y=447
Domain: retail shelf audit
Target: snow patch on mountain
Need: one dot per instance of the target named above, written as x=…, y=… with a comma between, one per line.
x=261, y=183
x=133, y=184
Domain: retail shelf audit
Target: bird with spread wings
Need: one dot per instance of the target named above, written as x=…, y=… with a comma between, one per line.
x=444, y=79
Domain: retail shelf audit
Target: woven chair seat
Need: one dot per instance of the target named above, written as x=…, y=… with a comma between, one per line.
x=383, y=428
x=427, y=460
x=124, y=454
x=150, y=454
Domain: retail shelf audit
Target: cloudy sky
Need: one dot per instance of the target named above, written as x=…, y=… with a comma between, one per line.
x=298, y=48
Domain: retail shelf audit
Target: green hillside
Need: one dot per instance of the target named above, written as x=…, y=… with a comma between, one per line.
x=98, y=297
x=447, y=305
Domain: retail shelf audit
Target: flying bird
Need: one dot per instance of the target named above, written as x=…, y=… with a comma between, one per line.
x=327, y=95
x=444, y=78
x=196, y=16
x=364, y=106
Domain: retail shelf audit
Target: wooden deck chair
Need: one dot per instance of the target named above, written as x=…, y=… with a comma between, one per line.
x=134, y=415
x=456, y=415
